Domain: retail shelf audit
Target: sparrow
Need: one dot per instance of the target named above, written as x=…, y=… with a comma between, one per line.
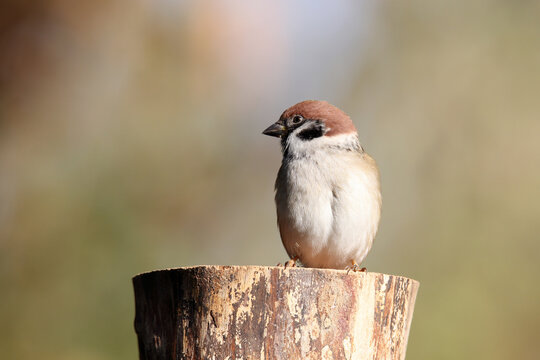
x=327, y=191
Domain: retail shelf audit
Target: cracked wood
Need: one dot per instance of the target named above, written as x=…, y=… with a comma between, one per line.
x=256, y=312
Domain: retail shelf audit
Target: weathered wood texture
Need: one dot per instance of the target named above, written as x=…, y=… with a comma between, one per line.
x=255, y=312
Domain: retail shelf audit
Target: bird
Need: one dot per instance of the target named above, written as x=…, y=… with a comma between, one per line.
x=327, y=191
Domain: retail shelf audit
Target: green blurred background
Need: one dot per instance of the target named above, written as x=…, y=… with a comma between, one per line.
x=130, y=140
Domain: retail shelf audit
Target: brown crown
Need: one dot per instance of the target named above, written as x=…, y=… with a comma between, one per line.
x=336, y=120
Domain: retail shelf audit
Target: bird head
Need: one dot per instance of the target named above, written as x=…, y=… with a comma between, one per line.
x=309, y=120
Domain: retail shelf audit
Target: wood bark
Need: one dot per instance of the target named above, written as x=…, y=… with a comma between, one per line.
x=256, y=312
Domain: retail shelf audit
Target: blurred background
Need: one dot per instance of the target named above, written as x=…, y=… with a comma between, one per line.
x=130, y=140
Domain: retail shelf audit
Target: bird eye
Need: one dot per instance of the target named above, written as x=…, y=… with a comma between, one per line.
x=297, y=119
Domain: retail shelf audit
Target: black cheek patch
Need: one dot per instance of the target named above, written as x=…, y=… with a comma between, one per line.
x=314, y=131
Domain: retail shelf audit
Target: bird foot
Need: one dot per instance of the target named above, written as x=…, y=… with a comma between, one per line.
x=354, y=267
x=290, y=263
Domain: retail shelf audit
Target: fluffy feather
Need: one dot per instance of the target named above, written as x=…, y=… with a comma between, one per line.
x=328, y=199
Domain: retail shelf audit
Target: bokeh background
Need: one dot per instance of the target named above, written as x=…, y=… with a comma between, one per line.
x=130, y=140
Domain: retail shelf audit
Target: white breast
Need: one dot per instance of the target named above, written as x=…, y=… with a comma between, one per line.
x=328, y=204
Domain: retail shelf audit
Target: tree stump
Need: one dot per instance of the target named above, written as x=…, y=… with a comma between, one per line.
x=258, y=312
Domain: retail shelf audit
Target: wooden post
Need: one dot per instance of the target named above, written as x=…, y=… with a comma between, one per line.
x=257, y=312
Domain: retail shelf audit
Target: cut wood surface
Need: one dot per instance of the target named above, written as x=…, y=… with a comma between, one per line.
x=259, y=312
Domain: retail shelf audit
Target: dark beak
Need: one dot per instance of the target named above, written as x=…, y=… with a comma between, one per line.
x=275, y=129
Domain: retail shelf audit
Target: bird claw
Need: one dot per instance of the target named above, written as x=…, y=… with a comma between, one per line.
x=354, y=267
x=290, y=263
